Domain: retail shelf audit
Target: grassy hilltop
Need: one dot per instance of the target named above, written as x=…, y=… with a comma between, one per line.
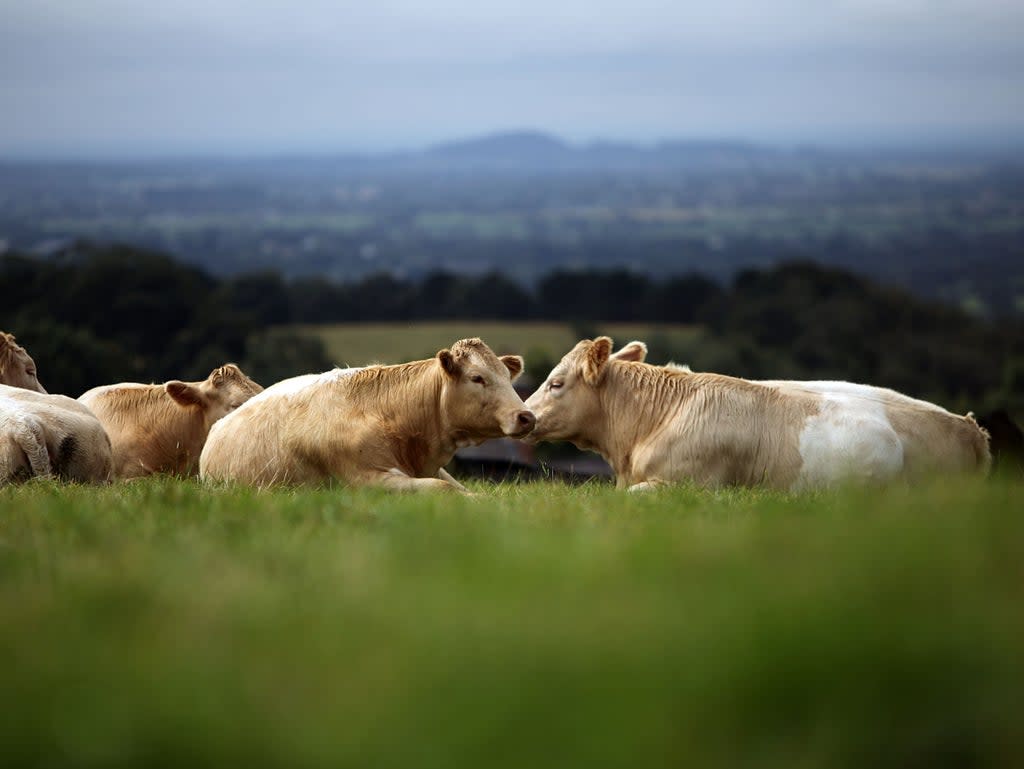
x=164, y=623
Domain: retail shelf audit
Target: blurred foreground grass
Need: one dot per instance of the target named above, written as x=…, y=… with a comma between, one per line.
x=165, y=624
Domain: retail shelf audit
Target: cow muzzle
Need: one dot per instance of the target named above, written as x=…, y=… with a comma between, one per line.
x=524, y=423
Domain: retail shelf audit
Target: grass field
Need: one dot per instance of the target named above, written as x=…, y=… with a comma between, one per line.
x=165, y=624
x=357, y=344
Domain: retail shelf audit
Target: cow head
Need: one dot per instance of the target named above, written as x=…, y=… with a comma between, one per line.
x=222, y=392
x=568, y=403
x=478, y=400
x=17, y=368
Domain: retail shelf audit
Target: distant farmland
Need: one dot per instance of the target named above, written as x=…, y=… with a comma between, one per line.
x=359, y=344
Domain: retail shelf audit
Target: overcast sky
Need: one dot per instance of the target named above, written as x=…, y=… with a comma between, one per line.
x=242, y=76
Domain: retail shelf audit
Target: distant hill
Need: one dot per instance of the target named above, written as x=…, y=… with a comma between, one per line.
x=533, y=150
x=511, y=145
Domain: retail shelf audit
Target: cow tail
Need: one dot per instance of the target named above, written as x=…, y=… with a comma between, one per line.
x=30, y=437
x=980, y=440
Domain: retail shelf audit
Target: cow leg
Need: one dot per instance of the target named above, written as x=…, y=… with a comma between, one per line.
x=444, y=475
x=395, y=480
x=645, y=486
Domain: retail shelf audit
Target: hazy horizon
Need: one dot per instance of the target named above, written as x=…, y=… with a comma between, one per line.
x=109, y=78
x=991, y=143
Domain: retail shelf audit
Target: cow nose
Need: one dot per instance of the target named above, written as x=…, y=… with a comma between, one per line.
x=526, y=421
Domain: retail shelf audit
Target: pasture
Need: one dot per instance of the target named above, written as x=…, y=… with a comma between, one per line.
x=162, y=623
x=359, y=344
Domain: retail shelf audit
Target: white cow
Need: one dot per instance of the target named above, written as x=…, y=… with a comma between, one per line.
x=657, y=425
x=43, y=435
x=161, y=428
x=391, y=426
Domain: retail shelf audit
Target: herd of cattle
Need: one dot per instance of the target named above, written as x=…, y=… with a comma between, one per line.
x=398, y=426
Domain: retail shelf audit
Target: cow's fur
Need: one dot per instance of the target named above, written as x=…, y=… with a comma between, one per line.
x=50, y=435
x=392, y=426
x=161, y=428
x=659, y=425
x=17, y=369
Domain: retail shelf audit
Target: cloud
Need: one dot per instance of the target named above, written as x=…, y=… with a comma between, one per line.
x=268, y=73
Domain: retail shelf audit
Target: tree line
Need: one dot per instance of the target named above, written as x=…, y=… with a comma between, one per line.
x=105, y=313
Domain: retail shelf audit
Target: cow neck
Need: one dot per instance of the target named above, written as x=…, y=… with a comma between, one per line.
x=408, y=399
x=637, y=400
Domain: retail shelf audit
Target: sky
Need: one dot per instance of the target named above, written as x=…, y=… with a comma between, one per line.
x=123, y=77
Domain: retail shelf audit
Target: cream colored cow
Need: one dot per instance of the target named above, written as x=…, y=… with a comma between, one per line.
x=161, y=428
x=391, y=426
x=17, y=368
x=50, y=435
x=657, y=425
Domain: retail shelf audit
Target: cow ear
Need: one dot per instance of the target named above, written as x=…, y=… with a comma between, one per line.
x=635, y=351
x=184, y=393
x=514, y=364
x=227, y=372
x=595, y=358
x=447, y=361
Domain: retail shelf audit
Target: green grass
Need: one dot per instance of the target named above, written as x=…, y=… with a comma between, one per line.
x=161, y=623
x=357, y=344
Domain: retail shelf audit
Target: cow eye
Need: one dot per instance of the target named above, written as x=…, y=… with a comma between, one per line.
x=476, y=379
x=555, y=384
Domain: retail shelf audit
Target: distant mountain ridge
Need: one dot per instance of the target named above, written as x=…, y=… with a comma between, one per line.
x=528, y=149
x=505, y=143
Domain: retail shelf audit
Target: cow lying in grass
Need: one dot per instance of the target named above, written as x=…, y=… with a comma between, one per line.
x=50, y=435
x=161, y=428
x=657, y=425
x=390, y=426
x=17, y=369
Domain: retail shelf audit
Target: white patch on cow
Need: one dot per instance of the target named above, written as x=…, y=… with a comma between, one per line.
x=850, y=439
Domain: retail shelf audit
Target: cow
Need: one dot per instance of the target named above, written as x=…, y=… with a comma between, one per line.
x=390, y=426
x=161, y=428
x=44, y=435
x=17, y=368
x=657, y=425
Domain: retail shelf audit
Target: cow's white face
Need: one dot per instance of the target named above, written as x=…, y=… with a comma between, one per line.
x=17, y=368
x=222, y=392
x=568, y=404
x=478, y=399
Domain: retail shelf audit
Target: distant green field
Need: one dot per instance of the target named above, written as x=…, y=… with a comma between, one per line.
x=161, y=623
x=358, y=344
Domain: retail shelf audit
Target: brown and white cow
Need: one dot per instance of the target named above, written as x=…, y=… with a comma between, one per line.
x=17, y=368
x=161, y=428
x=50, y=435
x=391, y=426
x=658, y=425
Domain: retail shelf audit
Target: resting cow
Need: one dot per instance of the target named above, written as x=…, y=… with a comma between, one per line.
x=50, y=435
x=161, y=428
x=17, y=368
x=658, y=425
x=390, y=426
